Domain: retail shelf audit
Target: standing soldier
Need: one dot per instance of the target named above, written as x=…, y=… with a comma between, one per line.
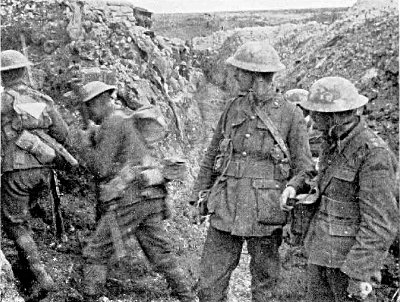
x=26, y=114
x=357, y=216
x=130, y=195
x=297, y=97
x=260, y=142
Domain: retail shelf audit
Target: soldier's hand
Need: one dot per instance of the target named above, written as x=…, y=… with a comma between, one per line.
x=289, y=192
x=359, y=289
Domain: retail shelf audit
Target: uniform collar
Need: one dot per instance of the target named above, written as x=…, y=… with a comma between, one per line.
x=344, y=145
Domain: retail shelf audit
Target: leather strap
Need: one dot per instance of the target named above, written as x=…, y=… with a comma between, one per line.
x=274, y=131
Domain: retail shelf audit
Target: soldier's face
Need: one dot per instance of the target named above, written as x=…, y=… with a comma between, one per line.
x=97, y=107
x=244, y=79
x=322, y=120
x=12, y=76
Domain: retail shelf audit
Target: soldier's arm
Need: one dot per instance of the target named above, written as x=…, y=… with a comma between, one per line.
x=303, y=169
x=6, y=103
x=206, y=175
x=59, y=129
x=379, y=216
x=109, y=145
x=132, y=149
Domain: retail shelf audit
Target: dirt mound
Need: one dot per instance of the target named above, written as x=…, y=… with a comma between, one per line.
x=375, y=6
x=288, y=38
x=8, y=291
x=365, y=53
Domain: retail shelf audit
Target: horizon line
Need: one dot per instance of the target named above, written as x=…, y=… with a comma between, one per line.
x=254, y=10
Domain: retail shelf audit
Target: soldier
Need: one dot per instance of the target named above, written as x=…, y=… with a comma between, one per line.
x=260, y=141
x=26, y=159
x=297, y=97
x=130, y=195
x=356, y=215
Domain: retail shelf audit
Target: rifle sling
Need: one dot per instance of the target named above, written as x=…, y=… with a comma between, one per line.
x=274, y=131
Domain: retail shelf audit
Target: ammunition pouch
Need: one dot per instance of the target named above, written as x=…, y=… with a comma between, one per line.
x=282, y=164
x=35, y=146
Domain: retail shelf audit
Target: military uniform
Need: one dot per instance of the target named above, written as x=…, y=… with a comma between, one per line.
x=24, y=173
x=357, y=217
x=137, y=212
x=244, y=192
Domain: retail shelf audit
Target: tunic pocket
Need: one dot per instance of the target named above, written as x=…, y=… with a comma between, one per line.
x=217, y=192
x=343, y=185
x=267, y=198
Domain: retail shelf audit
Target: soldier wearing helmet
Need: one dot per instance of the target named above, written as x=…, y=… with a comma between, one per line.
x=26, y=160
x=130, y=188
x=297, y=97
x=259, y=143
x=356, y=216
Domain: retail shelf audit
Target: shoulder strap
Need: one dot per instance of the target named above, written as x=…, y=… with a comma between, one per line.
x=274, y=131
x=225, y=115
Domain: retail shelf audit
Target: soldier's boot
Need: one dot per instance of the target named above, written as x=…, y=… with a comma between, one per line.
x=94, y=280
x=29, y=250
x=179, y=284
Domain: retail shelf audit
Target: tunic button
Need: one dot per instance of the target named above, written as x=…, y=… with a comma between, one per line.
x=252, y=117
x=244, y=153
x=233, y=124
x=276, y=103
x=247, y=135
x=276, y=186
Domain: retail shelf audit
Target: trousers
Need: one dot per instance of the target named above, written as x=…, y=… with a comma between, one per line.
x=221, y=256
x=19, y=189
x=329, y=285
x=152, y=236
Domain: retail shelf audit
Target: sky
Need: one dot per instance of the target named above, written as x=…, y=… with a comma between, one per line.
x=198, y=6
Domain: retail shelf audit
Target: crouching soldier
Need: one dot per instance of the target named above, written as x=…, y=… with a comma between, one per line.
x=260, y=140
x=27, y=117
x=130, y=195
x=356, y=216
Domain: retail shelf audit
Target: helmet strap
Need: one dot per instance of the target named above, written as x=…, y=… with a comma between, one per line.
x=341, y=124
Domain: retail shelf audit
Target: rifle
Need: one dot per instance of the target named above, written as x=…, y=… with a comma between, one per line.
x=58, y=148
x=58, y=222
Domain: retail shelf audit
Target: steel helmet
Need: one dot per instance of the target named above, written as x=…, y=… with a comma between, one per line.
x=258, y=56
x=333, y=94
x=93, y=89
x=12, y=59
x=296, y=96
